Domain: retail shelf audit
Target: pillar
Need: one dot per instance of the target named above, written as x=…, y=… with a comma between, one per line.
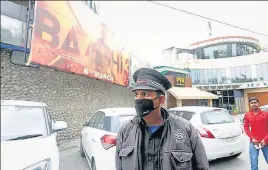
x=210, y=103
x=179, y=103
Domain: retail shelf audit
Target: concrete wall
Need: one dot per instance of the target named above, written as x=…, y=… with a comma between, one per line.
x=71, y=98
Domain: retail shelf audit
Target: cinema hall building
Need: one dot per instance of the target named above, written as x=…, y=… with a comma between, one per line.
x=232, y=67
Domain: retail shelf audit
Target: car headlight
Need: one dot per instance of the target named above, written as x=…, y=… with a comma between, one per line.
x=42, y=165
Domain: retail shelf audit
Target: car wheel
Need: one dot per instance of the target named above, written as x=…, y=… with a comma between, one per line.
x=93, y=165
x=236, y=155
x=82, y=153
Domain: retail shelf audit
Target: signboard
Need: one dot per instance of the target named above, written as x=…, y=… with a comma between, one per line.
x=180, y=81
x=68, y=36
x=136, y=63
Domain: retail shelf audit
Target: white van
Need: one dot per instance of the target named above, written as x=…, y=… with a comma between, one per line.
x=28, y=136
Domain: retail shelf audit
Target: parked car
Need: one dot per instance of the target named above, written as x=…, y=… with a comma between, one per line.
x=98, y=136
x=264, y=108
x=28, y=136
x=220, y=134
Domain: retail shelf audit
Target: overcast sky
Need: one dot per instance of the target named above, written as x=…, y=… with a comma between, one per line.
x=147, y=29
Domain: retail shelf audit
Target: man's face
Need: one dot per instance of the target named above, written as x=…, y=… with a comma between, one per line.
x=150, y=94
x=254, y=104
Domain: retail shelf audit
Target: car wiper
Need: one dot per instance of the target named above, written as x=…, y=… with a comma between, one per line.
x=25, y=137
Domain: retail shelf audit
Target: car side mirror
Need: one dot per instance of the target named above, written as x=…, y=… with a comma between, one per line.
x=59, y=125
x=85, y=124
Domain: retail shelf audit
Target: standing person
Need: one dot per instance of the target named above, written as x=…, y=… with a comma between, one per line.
x=256, y=127
x=154, y=139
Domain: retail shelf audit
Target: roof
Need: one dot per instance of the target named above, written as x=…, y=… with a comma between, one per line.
x=119, y=111
x=191, y=93
x=224, y=37
x=21, y=103
x=165, y=69
x=197, y=109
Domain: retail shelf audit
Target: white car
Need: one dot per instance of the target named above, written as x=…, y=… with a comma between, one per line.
x=98, y=136
x=28, y=136
x=220, y=134
x=264, y=108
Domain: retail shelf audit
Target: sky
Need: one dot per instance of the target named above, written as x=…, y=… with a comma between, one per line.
x=147, y=29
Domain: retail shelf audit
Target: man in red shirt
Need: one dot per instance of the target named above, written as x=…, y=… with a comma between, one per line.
x=256, y=127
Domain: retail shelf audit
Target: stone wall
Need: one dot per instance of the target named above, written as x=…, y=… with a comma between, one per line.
x=71, y=98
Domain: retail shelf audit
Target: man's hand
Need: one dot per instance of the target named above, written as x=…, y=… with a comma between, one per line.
x=255, y=142
x=263, y=143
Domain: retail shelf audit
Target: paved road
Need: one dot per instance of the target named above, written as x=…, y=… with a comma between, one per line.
x=70, y=160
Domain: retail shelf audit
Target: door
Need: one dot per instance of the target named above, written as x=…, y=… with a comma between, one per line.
x=87, y=133
x=262, y=96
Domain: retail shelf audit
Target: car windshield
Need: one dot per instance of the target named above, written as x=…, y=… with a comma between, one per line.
x=119, y=121
x=264, y=108
x=17, y=121
x=217, y=117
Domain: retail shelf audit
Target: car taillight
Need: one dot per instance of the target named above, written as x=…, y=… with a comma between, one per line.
x=205, y=133
x=108, y=141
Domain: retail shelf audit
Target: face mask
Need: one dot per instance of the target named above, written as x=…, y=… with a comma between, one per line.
x=144, y=106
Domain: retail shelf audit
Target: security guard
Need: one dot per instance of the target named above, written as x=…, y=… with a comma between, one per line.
x=155, y=140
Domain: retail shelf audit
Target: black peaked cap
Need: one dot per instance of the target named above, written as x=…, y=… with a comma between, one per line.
x=150, y=79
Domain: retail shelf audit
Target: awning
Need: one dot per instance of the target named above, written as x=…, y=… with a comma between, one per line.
x=191, y=93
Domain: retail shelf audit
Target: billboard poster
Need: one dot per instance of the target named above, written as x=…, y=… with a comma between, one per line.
x=136, y=63
x=69, y=36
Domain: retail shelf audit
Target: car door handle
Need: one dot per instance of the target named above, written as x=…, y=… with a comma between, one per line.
x=93, y=140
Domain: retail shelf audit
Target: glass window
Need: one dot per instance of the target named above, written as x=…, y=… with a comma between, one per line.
x=205, y=76
x=184, y=114
x=237, y=75
x=202, y=77
x=106, y=123
x=195, y=56
x=233, y=50
x=231, y=100
x=224, y=50
x=216, y=117
x=259, y=72
x=202, y=54
x=229, y=50
x=248, y=73
x=197, y=74
x=265, y=71
x=216, y=52
x=233, y=74
x=208, y=52
x=92, y=120
x=209, y=76
x=230, y=93
x=13, y=31
x=219, y=76
x=243, y=74
x=99, y=120
x=224, y=78
x=214, y=76
x=19, y=121
x=198, y=54
x=118, y=121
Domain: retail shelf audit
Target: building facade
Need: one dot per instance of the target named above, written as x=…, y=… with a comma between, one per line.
x=233, y=67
